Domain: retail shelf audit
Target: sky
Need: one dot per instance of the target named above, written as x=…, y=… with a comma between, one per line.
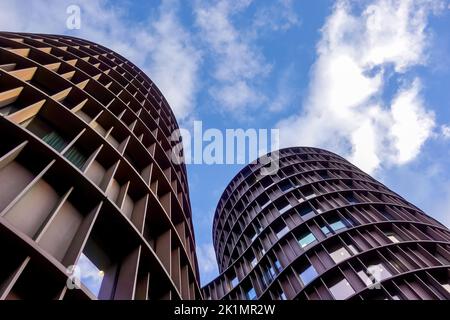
x=369, y=80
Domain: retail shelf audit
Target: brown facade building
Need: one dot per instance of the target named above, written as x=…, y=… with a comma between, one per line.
x=92, y=207
x=320, y=228
x=88, y=191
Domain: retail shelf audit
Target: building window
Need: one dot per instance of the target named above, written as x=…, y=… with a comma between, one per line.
x=339, y=253
x=91, y=275
x=234, y=282
x=258, y=227
x=281, y=231
x=264, y=201
x=379, y=271
x=386, y=215
x=393, y=237
x=272, y=271
x=374, y=273
x=324, y=175
x=253, y=261
x=324, y=228
x=268, y=275
x=306, y=211
x=48, y=133
x=351, y=199
x=75, y=156
x=277, y=265
x=308, y=193
x=250, y=294
x=308, y=274
x=306, y=239
x=267, y=181
x=337, y=225
x=285, y=208
x=253, y=234
x=285, y=185
x=341, y=289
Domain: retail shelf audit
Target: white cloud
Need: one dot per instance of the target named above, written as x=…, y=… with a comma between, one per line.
x=236, y=94
x=345, y=110
x=174, y=63
x=412, y=123
x=207, y=260
x=161, y=46
x=445, y=131
x=238, y=63
x=279, y=16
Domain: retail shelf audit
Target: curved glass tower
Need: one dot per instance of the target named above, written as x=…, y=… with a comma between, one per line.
x=320, y=228
x=91, y=205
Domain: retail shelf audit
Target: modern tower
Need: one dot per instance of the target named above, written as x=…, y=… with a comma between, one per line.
x=89, y=196
x=320, y=228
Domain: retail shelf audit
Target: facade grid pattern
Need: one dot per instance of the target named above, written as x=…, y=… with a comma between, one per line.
x=86, y=175
x=320, y=228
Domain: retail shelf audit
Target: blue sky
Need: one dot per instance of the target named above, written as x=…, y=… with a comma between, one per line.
x=366, y=79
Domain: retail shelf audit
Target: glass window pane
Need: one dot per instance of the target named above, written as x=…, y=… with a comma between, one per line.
x=337, y=225
x=341, y=290
x=285, y=185
x=308, y=194
x=379, y=271
x=90, y=275
x=393, y=237
x=272, y=271
x=351, y=199
x=306, y=239
x=234, y=282
x=374, y=274
x=282, y=232
x=75, y=156
x=253, y=262
x=278, y=265
x=286, y=208
x=325, y=230
x=268, y=275
x=308, y=274
x=251, y=294
x=324, y=175
x=339, y=254
x=306, y=211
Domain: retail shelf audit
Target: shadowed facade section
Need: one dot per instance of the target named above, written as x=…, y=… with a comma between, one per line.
x=86, y=177
x=320, y=228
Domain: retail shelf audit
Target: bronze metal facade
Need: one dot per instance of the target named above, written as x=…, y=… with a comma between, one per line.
x=86, y=175
x=320, y=228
